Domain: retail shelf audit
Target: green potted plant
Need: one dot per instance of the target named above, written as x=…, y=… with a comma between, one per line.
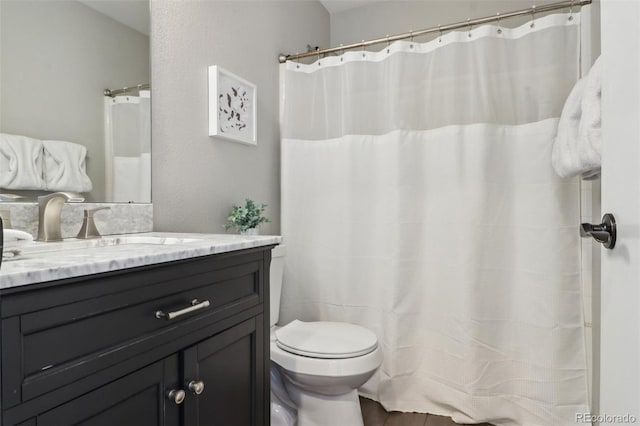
x=246, y=218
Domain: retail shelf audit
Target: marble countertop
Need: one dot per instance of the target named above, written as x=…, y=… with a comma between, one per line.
x=41, y=262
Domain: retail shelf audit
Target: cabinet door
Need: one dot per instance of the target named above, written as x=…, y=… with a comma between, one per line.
x=231, y=365
x=138, y=399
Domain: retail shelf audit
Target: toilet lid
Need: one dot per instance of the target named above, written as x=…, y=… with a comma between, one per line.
x=325, y=339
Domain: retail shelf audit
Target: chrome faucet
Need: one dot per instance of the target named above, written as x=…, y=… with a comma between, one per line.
x=50, y=212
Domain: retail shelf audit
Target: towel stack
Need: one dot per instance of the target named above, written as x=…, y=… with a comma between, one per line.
x=20, y=162
x=27, y=163
x=577, y=149
x=64, y=167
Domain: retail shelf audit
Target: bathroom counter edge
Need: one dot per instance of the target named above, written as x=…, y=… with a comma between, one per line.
x=62, y=264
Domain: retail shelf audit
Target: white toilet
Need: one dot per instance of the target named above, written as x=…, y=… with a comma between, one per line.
x=322, y=364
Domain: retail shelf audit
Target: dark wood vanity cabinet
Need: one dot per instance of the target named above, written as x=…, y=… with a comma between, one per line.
x=94, y=350
x=136, y=399
x=227, y=364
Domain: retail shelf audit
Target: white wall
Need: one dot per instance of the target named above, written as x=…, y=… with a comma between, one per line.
x=197, y=178
x=57, y=58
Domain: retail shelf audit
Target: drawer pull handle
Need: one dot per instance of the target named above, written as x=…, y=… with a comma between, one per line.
x=196, y=387
x=196, y=305
x=176, y=395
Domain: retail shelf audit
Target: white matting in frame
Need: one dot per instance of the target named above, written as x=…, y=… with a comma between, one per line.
x=232, y=106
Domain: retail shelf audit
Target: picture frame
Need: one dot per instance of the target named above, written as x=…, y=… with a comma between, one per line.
x=232, y=107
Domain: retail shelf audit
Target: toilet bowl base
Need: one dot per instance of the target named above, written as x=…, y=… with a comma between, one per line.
x=323, y=410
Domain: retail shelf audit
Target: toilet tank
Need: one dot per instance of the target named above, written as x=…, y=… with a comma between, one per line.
x=275, y=282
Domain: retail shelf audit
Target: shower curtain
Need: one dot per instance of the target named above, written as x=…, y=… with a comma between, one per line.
x=418, y=200
x=128, y=148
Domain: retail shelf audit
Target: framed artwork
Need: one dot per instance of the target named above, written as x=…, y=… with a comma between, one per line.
x=232, y=107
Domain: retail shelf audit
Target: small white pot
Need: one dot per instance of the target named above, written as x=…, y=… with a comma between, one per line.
x=251, y=231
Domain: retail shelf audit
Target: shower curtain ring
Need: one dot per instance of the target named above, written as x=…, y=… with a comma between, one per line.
x=341, y=53
x=533, y=16
x=298, y=60
x=411, y=38
x=499, y=25
x=469, y=25
x=440, y=34
x=388, y=44
x=571, y=11
x=364, y=55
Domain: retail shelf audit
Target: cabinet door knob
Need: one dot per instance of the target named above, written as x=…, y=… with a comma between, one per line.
x=197, y=387
x=176, y=395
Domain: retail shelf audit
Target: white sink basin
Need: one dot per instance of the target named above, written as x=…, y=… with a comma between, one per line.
x=35, y=247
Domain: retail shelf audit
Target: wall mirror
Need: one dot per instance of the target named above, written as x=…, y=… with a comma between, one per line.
x=57, y=59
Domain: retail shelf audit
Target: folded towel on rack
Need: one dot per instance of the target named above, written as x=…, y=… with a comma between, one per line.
x=590, y=130
x=577, y=149
x=21, y=164
x=65, y=167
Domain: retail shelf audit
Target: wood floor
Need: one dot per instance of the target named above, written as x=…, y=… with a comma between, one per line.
x=374, y=415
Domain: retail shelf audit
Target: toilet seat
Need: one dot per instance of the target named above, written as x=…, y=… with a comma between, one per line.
x=337, y=367
x=326, y=340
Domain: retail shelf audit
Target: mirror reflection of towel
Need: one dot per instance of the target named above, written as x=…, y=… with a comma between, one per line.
x=65, y=167
x=21, y=162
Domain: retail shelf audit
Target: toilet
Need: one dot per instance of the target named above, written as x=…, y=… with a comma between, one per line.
x=321, y=365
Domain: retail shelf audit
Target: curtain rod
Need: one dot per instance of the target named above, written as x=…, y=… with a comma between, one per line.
x=440, y=28
x=112, y=93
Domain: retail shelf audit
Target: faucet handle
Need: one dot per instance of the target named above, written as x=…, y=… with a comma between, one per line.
x=89, y=229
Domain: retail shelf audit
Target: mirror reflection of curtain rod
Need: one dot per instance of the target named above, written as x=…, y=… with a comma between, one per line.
x=109, y=92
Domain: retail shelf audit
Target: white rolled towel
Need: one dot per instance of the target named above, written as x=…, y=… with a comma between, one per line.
x=21, y=162
x=13, y=241
x=65, y=167
x=577, y=149
x=15, y=236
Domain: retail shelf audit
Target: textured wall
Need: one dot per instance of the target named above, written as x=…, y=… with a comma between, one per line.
x=197, y=178
x=57, y=58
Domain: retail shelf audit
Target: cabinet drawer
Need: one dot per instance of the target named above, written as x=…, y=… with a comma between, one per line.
x=60, y=344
